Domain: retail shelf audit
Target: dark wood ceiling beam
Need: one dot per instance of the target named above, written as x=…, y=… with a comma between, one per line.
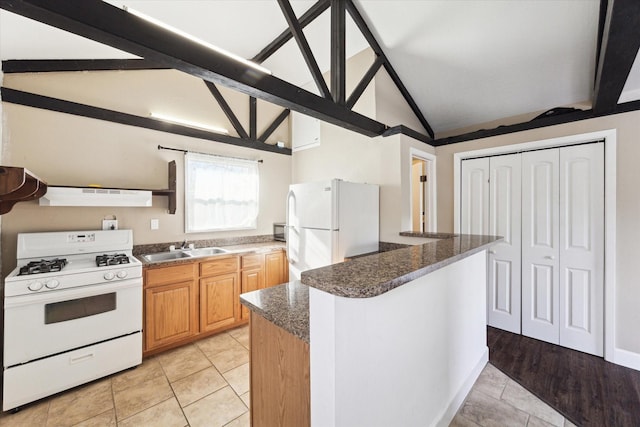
x=338, y=51
x=305, y=49
x=104, y=23
x=309, y=16
x=227, y=110
x=364, y=82
x=535, y=124
x=620, y=43
x=55, y=65
x=59, y=105
x=602, y=19
x=404, y=130
x=253, y=117
x=274, y=125
x=366, y=32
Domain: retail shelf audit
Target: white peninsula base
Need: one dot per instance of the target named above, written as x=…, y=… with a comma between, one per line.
x=407, y=357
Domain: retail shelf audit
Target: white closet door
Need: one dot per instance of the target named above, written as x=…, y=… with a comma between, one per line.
x=582, y=248
x=503, y=297
x=540, y=245
x=474, y=213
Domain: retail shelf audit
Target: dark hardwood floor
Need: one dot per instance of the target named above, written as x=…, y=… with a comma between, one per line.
x=586, y=389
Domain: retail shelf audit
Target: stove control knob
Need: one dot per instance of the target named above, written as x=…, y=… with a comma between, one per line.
x=122, y=274
x=52, y=284
x=35, y=286
x=108, y=275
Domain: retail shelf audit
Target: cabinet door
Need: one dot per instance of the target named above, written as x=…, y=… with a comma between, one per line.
x=275, y=269
x=171, y=313
x=504, y=258
x=251, y=280
x=540, y=245
x=582, y=248
x=219, y=301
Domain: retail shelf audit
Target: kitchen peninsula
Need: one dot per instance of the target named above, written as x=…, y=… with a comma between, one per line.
x=395, y=338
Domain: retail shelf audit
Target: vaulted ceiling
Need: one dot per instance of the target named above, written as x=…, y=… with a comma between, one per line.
x=465, y=63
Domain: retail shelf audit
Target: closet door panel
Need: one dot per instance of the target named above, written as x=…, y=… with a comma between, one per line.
x=540, y=245
x=582, y=248
x=474, y=215
x=504, y=258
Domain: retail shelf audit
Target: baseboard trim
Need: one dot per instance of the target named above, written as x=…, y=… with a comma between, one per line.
x=461, y=395
x=626, y=358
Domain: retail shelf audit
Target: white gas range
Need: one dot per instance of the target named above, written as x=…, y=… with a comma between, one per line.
x=73, y=312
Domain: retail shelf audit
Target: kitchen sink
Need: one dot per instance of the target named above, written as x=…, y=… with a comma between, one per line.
x=183, y=253
x=166, y=256
x=206, y=251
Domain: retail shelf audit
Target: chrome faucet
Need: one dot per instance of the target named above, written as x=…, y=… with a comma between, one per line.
x=184, y=245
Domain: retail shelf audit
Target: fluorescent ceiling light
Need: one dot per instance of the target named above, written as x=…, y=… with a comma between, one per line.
x=196, y=40
x=189, y=123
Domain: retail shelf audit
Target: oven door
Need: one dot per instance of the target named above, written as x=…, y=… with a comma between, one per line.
x=43, y=324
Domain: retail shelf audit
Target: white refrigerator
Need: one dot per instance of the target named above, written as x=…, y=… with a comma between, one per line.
x=328, y=221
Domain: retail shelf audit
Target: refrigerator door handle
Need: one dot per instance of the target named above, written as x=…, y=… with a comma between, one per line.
x=290, y=194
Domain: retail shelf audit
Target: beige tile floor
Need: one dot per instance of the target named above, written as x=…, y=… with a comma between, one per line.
x=207, y=384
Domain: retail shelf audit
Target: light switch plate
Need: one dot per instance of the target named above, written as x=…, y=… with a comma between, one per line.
x=109, y=224
x=155, y=224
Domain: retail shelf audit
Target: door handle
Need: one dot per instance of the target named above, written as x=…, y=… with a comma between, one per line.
x=492, y=252
x=551, y=257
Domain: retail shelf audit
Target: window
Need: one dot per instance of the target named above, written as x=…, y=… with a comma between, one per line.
x=221, y=193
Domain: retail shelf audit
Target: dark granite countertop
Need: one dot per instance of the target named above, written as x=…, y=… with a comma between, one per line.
x=376, y=274
x=286, y=305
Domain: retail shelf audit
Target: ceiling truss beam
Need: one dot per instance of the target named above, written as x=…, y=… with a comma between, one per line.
x=338, y=51
x=366, y=32
x=364, y=82
x=274, y=125
x=253, y=117
x=62, y=106
x=305, y=49
x=620, y=43
x=104, y=23
x=56, y=65
x=308, y=17
x=227, y=110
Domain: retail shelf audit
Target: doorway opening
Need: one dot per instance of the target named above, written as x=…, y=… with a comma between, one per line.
x=422, y=205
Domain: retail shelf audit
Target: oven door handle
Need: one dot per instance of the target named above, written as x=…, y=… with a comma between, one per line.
x=70, y=293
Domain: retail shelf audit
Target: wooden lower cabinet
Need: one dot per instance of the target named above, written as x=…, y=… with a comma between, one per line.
x=171, y=313
x=218, y=301
x=280, y=376
x=251, y=280
x=276, y=269
x=187, y=301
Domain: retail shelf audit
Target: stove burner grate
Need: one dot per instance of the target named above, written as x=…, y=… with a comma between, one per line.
x=43, y=266
x=116, y=259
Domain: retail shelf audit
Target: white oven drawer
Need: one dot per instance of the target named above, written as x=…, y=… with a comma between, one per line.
x=41, y=325
x=35, y=380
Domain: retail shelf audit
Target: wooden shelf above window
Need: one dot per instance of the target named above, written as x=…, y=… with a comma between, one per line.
x=18, y=185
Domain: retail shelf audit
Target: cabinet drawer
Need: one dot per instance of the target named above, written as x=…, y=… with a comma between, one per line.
x=219, y=266
x=176, y=273
x=252, y=261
